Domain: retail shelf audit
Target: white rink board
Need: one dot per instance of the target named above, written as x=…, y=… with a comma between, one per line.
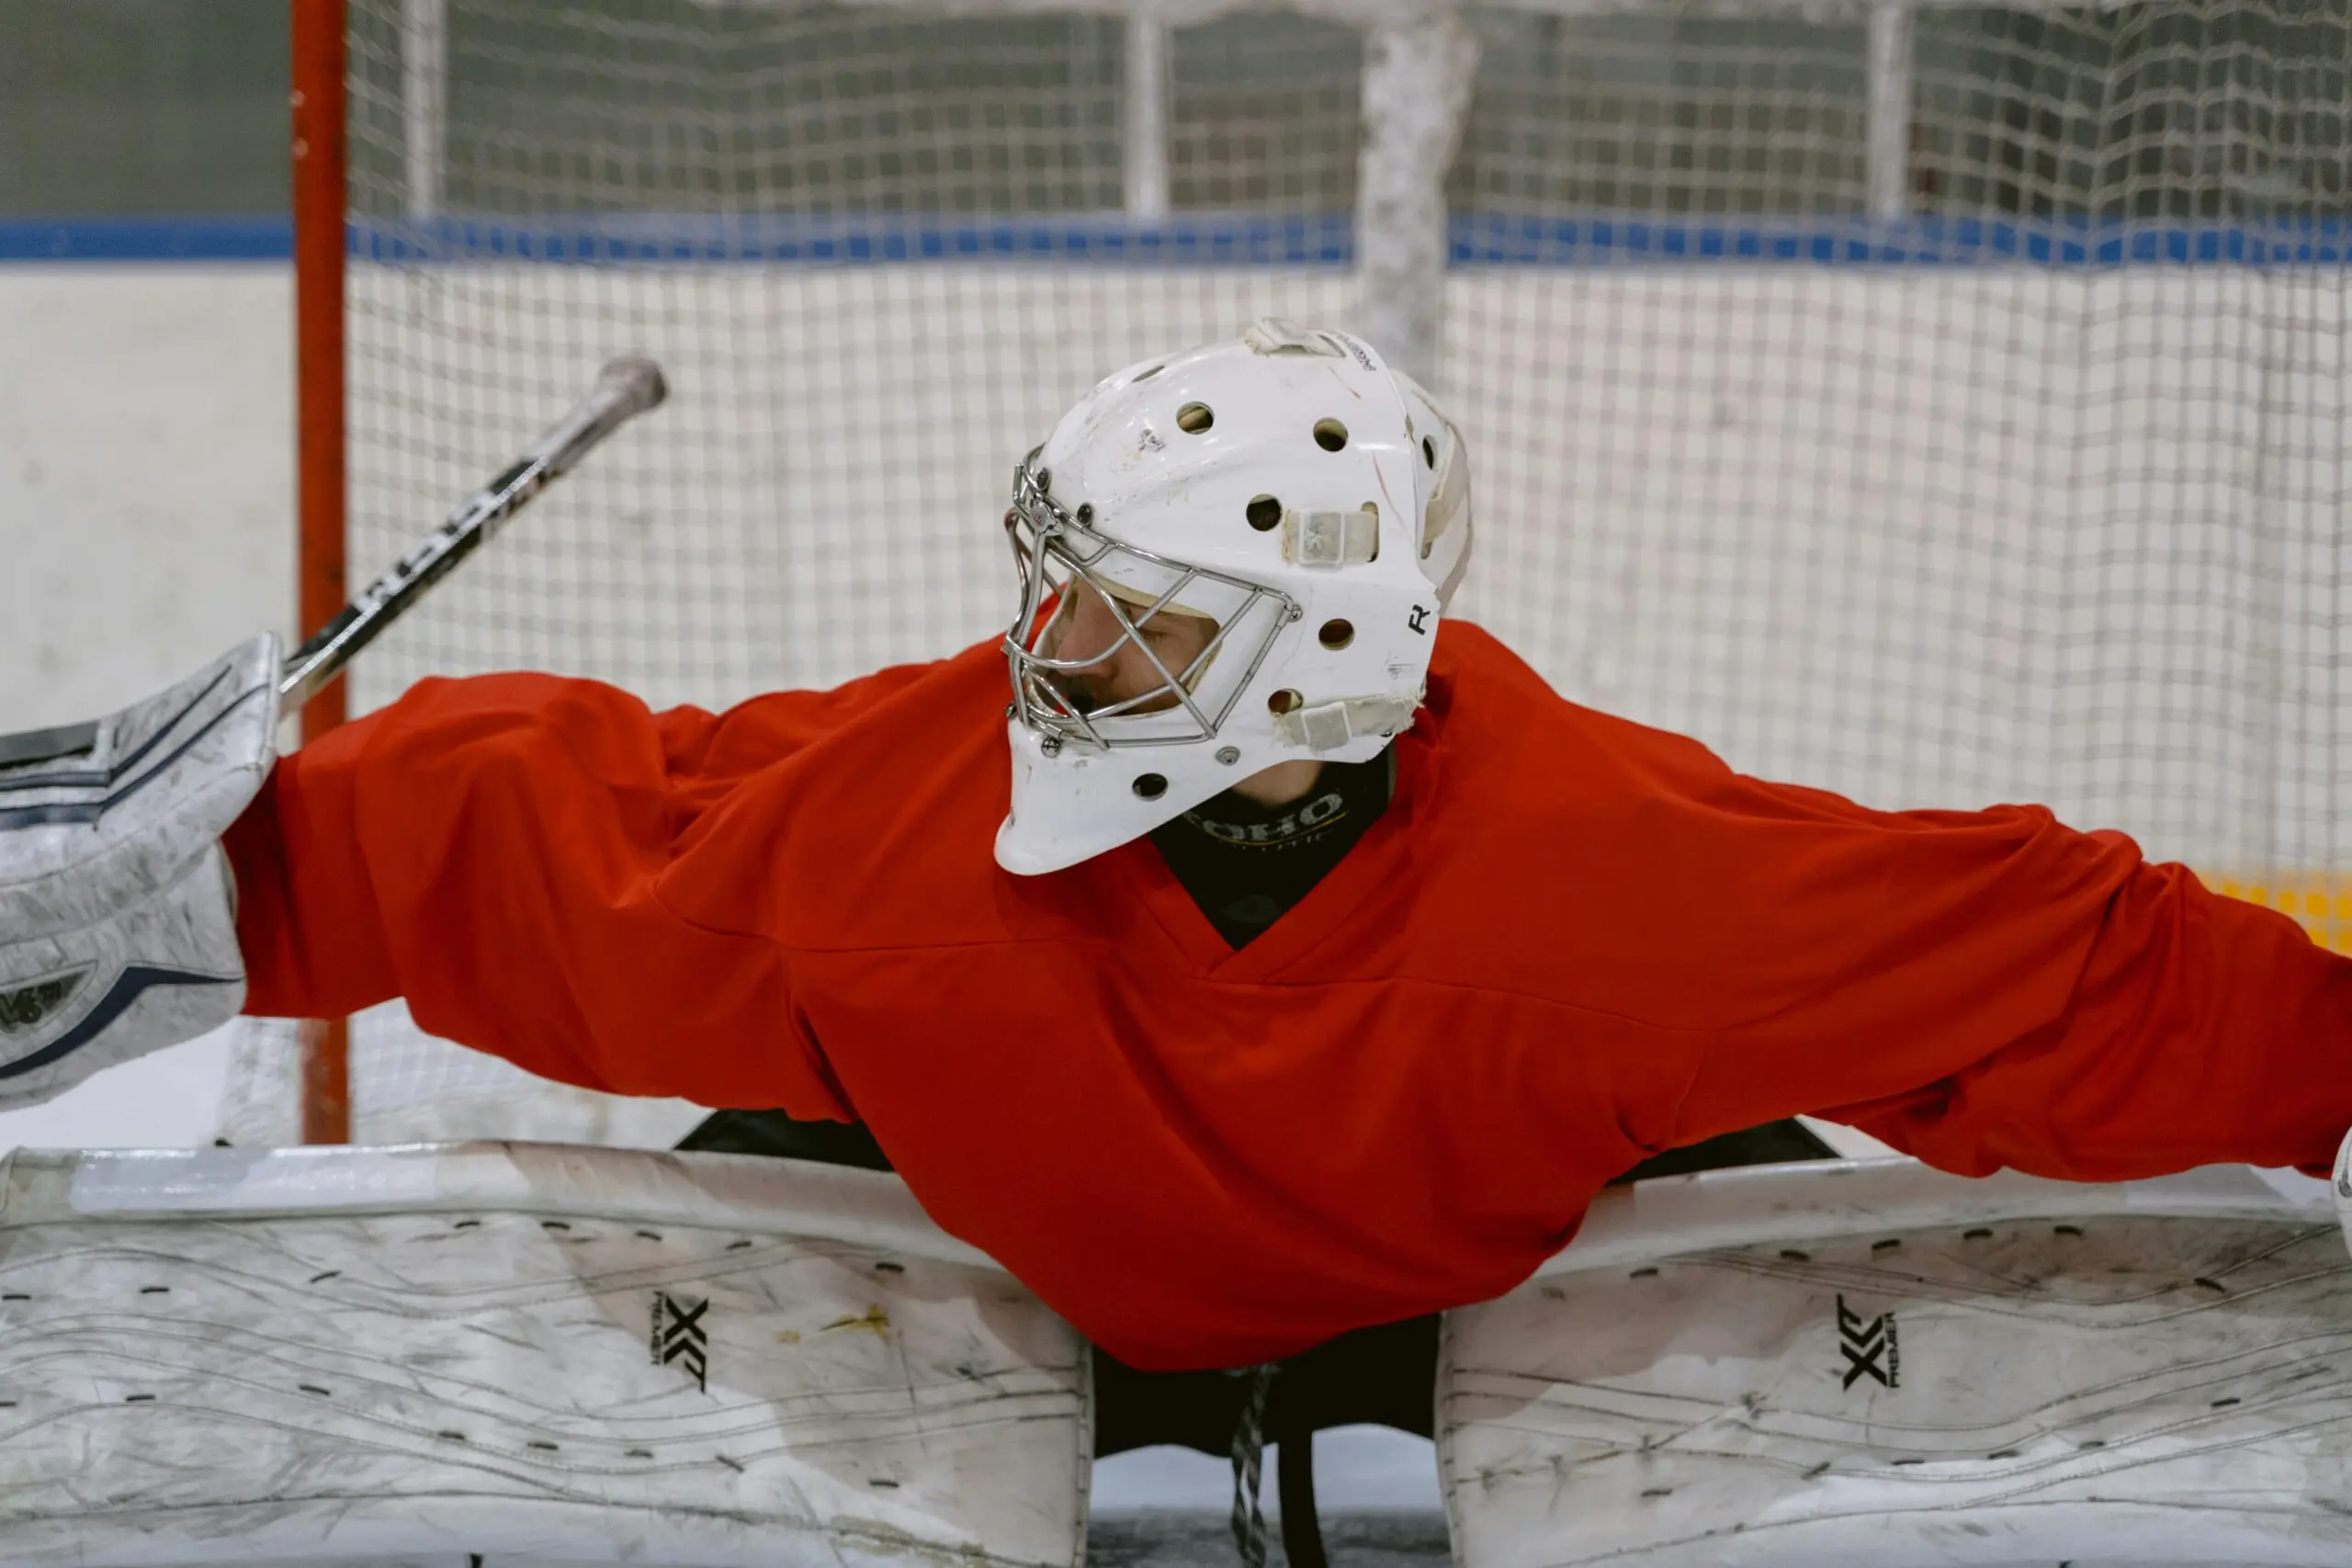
x=146, y=478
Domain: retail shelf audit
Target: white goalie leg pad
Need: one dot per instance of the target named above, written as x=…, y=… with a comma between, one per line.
x=2341, y=1188
x=2158, y=1373
x=117, y=913
x=526, y=1355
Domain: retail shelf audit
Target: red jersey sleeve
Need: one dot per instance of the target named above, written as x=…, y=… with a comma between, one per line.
x=1990, y=990
x=499, y=852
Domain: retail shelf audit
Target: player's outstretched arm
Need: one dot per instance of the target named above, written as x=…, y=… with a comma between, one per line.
x=501, y=852
x=2200, y=1029
x=1990, y=990
x=117, y=930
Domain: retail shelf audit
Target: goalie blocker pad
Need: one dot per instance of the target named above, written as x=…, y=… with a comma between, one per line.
x=117, y=917
x=1873, y=1364
x=519, y=1355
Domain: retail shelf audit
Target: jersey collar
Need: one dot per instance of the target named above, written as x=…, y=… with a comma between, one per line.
x=1380, y=860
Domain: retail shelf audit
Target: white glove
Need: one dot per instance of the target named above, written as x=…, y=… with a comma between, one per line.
x=118, y=911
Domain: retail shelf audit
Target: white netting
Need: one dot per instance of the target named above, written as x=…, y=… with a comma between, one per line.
x=1938, y=406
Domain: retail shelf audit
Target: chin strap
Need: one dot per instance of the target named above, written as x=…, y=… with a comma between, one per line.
x=1327, y=727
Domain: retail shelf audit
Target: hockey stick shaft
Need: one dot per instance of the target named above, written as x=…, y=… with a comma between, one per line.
x=624, y=389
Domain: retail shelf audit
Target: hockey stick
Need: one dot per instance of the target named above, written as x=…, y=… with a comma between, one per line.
x=624, y=389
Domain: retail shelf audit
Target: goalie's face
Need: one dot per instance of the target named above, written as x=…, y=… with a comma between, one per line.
x=1113, y=646
x=1113, y=653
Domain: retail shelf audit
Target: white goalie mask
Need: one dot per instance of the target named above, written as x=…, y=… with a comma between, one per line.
x=1289, y=487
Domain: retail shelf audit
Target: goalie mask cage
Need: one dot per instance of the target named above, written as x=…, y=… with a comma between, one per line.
x=1937, y=403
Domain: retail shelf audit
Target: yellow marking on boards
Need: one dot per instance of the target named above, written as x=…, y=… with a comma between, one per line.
x=2320, y=901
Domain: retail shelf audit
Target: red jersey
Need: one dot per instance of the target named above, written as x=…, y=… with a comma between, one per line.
x=1570, y=942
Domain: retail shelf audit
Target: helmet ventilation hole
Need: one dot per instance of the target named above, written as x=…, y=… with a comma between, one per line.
x=1284, y=701
x=1148, y=375
x=1330, y=434
x=1265, y=514
x=1086, y=512
x=1228, y=755
x=1193, y=418
x=1428, y=451
x=1336, y=635
x=1151, y=786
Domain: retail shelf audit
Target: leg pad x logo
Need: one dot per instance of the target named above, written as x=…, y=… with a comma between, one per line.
x=1869, y=1346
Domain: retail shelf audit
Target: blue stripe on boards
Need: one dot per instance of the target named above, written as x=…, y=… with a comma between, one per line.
x=1491, y=239
x=196, y=238
x=883, y=238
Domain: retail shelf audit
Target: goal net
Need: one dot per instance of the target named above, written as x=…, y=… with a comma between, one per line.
x=1937, y=403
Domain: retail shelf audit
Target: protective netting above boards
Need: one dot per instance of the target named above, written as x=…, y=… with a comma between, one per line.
x=664, y=107
x=1937, y=404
